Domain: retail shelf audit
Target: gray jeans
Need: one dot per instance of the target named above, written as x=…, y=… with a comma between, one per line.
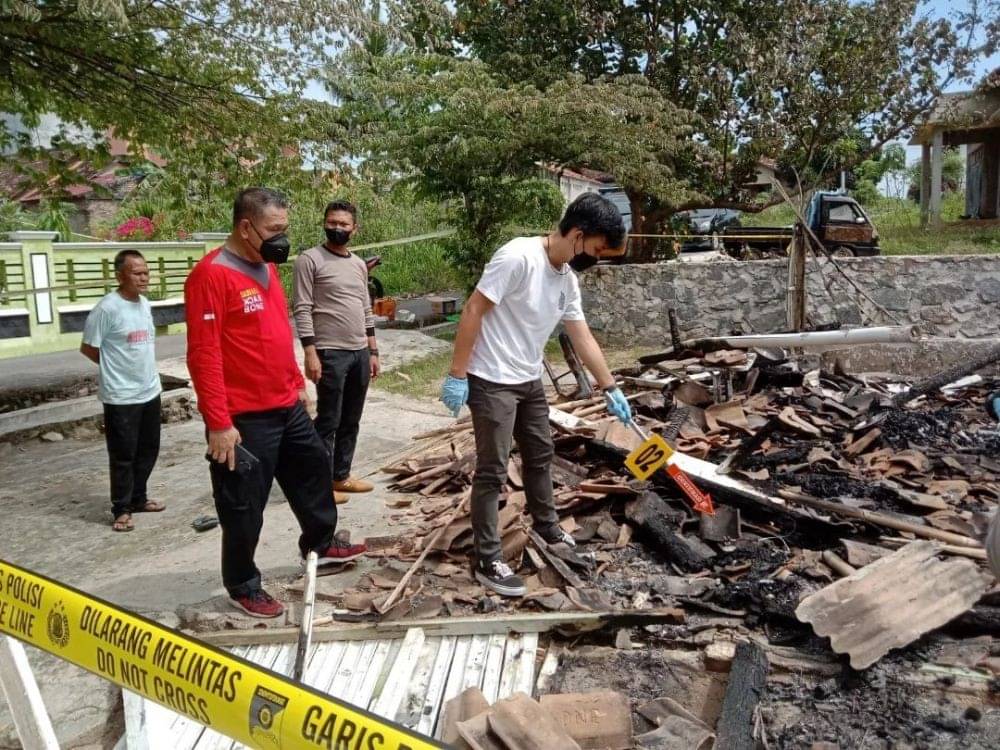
x=500, y=413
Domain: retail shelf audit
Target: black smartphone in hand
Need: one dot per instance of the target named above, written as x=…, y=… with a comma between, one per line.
x=246, y=462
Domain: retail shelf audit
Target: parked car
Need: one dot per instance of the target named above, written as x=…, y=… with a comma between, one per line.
x=704, y=222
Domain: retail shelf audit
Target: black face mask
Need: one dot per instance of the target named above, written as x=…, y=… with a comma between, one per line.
x=582, y=262
x=337, y=237
x=275, y=248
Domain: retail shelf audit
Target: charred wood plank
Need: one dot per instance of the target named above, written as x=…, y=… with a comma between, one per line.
x=747, y=678
x=950, y=375
x=652, y=517
x=980, y=620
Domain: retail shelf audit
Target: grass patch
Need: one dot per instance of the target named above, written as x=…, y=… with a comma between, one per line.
x=615, y=357
x=420, y=268
x=629, y=357
x=898, y=224
x=421, y=378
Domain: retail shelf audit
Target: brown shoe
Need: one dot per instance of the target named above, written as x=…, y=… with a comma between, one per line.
x=339, y=498
x=353, y=485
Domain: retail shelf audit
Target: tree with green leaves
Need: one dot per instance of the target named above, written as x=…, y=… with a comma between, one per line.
x=213, y=86
x=677, y=100
x=465, y=137
x=890, y=162
x=785, y=80
x=156, y=72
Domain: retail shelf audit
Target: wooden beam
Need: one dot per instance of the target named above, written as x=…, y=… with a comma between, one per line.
x=474, y=625
x=796, y=297
x=880, y=519
x=31, y=720
x=747, y=678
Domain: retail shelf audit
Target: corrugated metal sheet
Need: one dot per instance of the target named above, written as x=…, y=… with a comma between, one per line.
x=407, y=680
x=893, y=601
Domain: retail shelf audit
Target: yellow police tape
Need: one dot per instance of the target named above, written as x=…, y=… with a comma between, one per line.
x=231, y=695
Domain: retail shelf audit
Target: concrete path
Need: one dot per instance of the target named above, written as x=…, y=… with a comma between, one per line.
x=61, y=368
x=56, y=520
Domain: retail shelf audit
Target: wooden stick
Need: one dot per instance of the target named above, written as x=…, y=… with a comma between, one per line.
x=308, y=607
x=837, y=564
x=956, y=372
x=948, y=549
x=607, y=489
x=461, y=425
x=570, y=405
x=880, y=519
x=601, y=406
x=429, y=445
x=428, y=546
x=413, y=451
x=436, y=485
x=434, y=471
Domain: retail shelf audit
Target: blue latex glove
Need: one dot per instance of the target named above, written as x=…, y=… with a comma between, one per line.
x=618, y=405
x=454, y=393
x=993, y=405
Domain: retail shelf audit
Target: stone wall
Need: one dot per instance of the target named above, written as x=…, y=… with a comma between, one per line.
x=945, y=295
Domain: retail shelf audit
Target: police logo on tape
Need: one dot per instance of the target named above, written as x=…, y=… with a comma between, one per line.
x=57, y=625
x=267, y=710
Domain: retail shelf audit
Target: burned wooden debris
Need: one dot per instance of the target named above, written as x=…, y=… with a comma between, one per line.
x=808, y=469
x=829, y=497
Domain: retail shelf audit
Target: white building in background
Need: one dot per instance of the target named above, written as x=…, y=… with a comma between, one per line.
x=41, y=135
x=575, y=182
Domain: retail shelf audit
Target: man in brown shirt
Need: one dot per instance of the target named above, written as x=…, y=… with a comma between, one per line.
x=333, y=317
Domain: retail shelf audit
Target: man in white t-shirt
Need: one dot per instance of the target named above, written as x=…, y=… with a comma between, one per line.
x=526, y=289
x=118, y=337
x=992, y=542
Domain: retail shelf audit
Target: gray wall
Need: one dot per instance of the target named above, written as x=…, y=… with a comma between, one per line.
x=945, y=295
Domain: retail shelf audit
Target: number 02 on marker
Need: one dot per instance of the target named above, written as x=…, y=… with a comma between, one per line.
x=649, y=457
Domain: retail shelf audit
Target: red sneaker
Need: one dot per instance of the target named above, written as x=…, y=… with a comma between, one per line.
x=258, y=604
x=341, y=552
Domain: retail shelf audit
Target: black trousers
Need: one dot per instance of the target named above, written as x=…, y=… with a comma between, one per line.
x=289, y=450
x=132, y=433
x=340, y=400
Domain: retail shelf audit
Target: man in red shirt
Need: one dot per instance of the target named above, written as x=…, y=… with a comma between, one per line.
x=250, y=393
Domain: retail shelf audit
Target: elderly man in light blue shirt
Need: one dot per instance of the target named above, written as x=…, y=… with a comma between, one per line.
x=119, y=337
